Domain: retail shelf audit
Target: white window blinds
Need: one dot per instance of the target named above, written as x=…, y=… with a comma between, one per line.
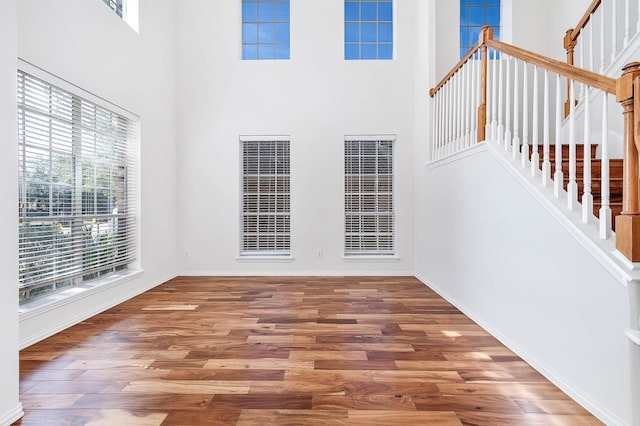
x=368, y=187
x=265, y=197
x=77, y=194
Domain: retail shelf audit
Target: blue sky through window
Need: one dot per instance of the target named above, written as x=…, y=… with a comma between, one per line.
x=368, y=29
x=265, y=29
x=474, y=14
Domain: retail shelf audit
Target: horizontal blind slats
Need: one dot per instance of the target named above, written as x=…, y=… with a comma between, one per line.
x=369, y=215
x=265, y=197
x=77, y=167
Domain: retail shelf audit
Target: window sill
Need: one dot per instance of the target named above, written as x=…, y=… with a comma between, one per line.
x=56, y=300
x=371, y=259
x=264, y=259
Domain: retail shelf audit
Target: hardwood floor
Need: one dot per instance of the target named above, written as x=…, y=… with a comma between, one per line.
x=295, y=351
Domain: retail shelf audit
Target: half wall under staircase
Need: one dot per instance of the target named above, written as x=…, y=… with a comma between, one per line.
x=502, y=105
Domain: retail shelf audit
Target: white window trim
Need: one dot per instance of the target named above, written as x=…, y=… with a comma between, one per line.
x=134, y=269
x=373, y=258
x=262, y=256
x=394, y=44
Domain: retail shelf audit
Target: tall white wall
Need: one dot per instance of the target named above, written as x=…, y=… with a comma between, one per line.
x=10, y=408
x=317, y=98
x=87, y=44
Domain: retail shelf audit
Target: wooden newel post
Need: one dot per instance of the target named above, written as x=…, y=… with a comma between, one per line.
x=485, y=34
x=628, y=222
x=570, y=46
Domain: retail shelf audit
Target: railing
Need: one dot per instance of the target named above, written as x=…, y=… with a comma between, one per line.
x=514, y=98
x=605, y=29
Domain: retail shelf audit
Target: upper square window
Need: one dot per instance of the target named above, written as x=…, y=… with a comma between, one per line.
x=265, y=29
x=474, y=14
x=368, y=29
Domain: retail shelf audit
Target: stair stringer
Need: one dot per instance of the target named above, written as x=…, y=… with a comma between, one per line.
x=587, y=234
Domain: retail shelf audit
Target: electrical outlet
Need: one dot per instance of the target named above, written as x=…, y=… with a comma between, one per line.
x=187, y=253
x=319, y=253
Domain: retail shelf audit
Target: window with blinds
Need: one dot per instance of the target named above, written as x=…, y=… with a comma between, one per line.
x=265, y=228
x=368, y=197
x=77, y=194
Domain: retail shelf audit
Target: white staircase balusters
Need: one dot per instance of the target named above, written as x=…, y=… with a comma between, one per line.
x=524, y=152
x=587, y=196
x=447, y=115
x=602, y=37
x=458, y=108
x=614, y=30
x=546, y=117
x=572, y=186
x=507, y=121
x=477, y=75
x=450, y=123
x=515, y=144
x=582, y=64
x=605, y=209
x=558, y=176
x=494, y=98
x=461, y=107
x=535, y=156
x=627, y=22
x=467, y=105
x=500, y=131
x=591, y=53
x=434, y=130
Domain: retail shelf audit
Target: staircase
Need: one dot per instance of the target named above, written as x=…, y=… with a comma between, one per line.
x=615, y=176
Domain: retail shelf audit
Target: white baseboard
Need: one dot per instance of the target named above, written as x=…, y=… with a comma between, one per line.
x=57, y=327
x=11, y=416
x=601, y=413
x=364, y=273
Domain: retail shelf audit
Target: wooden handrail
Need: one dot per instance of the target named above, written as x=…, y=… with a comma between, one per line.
x=455, y=69
x=569, y=71
x=572, y=72
x=572, y=34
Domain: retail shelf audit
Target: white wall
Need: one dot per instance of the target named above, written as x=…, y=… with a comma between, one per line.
x=100, y=53
x=10, y=408
x=492, y=249
x=317, y=98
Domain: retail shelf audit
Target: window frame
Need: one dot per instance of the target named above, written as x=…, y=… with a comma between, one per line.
x=350, y=24
x=467, y=27
x=280, y=28
x=391, y=252
x=129, y=187
x=262, y=252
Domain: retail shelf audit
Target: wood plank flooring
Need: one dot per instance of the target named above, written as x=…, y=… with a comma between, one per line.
x=285, y=351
